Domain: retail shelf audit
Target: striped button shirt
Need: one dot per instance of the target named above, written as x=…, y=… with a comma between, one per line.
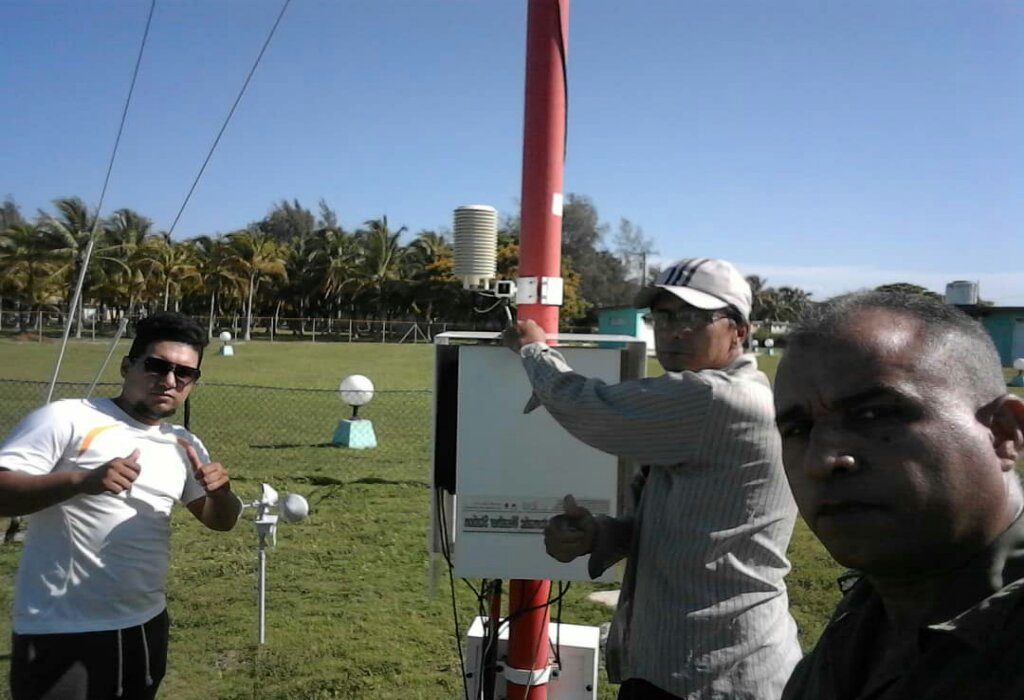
x=703, y=611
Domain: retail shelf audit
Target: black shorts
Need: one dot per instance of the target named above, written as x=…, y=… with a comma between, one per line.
x=127, y=664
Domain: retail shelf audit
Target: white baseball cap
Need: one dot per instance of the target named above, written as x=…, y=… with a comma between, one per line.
x=706, y=283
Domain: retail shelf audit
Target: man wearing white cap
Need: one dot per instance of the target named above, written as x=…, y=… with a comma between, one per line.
x=703, y=611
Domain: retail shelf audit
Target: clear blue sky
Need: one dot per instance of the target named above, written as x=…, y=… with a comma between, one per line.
x=827, y=144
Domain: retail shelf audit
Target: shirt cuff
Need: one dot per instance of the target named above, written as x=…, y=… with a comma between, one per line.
x=533, y=349
x=602, y=554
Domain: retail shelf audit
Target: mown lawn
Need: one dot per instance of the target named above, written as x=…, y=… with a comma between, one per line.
x=350, y=609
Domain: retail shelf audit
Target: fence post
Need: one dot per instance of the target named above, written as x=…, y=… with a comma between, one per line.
x=350, y=330
x=383, y=330
x=314, y=329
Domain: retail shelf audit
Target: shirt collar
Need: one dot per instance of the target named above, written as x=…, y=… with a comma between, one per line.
x=997, y=576
x=994, y=578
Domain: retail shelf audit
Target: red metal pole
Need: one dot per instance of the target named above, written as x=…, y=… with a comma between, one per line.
x=539, y=257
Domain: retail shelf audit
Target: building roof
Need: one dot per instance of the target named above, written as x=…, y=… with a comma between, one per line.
x=984, y=310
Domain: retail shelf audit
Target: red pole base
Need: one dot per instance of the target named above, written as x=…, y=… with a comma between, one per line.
x=530, y=630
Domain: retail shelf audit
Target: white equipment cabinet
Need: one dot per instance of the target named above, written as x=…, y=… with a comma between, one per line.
x=499, y=474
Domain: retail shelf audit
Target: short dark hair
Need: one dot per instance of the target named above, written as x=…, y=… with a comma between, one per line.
x=948, y=332
x=734, y=315
x=167, y=326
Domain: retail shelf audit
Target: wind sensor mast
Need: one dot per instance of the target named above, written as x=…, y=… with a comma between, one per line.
x=538, y=291
x=540, y=258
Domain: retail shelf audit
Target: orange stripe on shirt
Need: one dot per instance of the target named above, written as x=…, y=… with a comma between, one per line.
x=91, y=435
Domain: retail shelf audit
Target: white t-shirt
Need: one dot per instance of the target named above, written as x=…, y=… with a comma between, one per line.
x=94, y=563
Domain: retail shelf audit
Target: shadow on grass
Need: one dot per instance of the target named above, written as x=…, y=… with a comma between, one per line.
x=289, y=446
x=375, y=480
x=319, y=480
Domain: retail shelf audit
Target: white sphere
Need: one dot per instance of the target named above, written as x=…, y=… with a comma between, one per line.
x=294, y=508
x=356, y=390
x=1018, y=363
x=225, y=336
x=755, y=342
x=769, y=343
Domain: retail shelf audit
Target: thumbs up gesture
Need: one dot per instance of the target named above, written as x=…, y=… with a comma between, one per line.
x=570, y=534
x=115, y=476
x=212, y=477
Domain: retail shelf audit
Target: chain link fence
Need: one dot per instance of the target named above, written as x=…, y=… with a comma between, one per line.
x=270, y=432
x=268, y=328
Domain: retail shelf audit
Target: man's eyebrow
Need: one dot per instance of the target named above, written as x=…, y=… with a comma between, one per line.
x=790, y=414
x=871, y=393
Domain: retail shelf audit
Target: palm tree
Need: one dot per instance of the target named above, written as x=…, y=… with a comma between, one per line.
x=167, y=263
x=379, y=264
x=123, y=282
x=213, y=261
x=428, y=271
x=73, y=225
x=427, y=248
x=757, y=297
x=793, y=301
x=32, y=265
x=333, y=261
x=256, y=257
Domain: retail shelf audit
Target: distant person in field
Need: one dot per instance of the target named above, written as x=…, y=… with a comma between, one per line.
x=900, y=443
x=703, y=611
x=99, y=477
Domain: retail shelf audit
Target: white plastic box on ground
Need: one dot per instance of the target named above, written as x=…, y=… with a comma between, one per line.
x=574, y=679
x=499, y=474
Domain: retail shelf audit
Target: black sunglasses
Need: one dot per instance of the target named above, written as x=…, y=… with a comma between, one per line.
x=184, y=374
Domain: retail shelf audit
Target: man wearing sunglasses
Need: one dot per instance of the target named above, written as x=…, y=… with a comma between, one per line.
x=703, y=610
x=99, y=477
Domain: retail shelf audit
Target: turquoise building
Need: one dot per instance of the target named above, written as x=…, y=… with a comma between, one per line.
x=625, y=320
x=1006, y=326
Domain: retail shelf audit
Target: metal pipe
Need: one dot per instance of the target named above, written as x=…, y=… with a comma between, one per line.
x=261, y=591
x=539, y=256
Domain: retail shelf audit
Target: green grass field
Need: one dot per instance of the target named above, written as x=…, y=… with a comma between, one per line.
x=349, y=612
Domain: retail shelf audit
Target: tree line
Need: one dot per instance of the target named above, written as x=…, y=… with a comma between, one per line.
x=297, y=263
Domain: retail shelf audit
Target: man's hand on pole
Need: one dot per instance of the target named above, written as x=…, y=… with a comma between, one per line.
x=570, y=534
x=523, y=333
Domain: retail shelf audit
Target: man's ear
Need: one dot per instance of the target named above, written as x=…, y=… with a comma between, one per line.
x=125, y=363
x=1007, y=428
x=742, y=333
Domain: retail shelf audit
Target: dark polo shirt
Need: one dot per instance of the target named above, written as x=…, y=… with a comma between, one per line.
x=976, y=651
